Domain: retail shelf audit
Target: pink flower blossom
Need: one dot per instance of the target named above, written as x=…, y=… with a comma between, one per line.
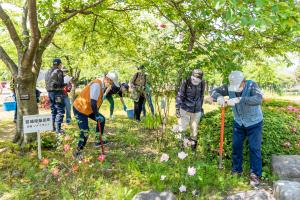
x=182, y=188
x=45, y=161
x=66, y=147
x=55, y=171
x=191, y=171
x=67, y=138
x=101, y=157
x=299, y=117
x=182, y=155
x=162, y=177
x=164, y=157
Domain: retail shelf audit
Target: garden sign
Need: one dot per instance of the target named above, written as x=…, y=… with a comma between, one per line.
x=37, y=123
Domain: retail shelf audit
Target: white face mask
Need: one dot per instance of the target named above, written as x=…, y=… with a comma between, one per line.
x=195, y=81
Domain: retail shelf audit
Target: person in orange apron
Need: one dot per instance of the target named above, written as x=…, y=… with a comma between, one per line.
x=86, y=106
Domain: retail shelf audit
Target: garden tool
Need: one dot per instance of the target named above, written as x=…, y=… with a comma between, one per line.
x=101, y=157
x=221, y=136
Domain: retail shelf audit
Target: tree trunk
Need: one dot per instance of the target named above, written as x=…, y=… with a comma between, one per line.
x=26, y=105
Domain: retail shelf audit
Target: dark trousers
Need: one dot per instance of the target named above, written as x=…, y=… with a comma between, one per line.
x=254, y=134
x=57, y=105
x=138, y=107
x=83, y=125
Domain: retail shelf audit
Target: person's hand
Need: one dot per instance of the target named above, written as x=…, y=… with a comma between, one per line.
x=221, y=101
x=100, y=118
x=233, y=101
x=178, y=113
x=208, y=100
x=124, y=108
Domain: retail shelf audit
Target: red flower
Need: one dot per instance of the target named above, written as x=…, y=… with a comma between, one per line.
x=75, y=168
x=101, y=157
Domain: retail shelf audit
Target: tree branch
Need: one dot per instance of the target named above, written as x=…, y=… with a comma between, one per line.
x=24, y=25
x=10, y=64
x=28, y=58
x=12, y=31
x=76, y=12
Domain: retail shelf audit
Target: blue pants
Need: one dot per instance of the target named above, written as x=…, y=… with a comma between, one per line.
x=68, y=109
x=149, y=100
x=254, y=134
x=83, y=125
x=57, y=105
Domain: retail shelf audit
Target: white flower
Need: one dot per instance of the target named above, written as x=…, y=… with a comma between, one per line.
x=164, y=157
x=186, y=142
x=191, y=171
x=162, y=177
x=182, y=155
x=182, y=188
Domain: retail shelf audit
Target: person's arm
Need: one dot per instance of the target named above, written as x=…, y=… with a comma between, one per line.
x=60, y=78
x=180, y=95
x=219, y=91
x=94, y=95
x=256, y=96
x=202, y=94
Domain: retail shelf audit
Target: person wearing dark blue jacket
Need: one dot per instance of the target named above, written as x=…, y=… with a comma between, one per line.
x=245, y=97
x=189, y=103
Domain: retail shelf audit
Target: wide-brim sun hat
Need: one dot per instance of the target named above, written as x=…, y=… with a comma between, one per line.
x=114, y=77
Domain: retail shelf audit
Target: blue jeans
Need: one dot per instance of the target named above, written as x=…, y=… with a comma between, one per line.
x=83, y=125
x=149, y=100
x=68, y=109
x=57, y=105
x=254, y=134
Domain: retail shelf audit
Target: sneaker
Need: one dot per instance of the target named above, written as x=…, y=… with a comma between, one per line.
x=254, y=180
x=112, y=117
x=78, y=154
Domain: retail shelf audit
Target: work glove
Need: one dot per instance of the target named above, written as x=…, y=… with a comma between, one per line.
x=178, y=115
x=221, y=101
x=100, y=118
x=233, y=101
x=124, y=108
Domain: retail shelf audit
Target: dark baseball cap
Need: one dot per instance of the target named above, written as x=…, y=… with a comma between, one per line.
x=56, y=61
x=198, y=73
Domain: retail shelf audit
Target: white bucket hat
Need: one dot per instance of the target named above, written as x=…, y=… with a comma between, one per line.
x=235, y=80
x=114, y=77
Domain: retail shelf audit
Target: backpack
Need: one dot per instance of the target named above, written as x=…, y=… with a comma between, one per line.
x=140, y=79
x=51, y=79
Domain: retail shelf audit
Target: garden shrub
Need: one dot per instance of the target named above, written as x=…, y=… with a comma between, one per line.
x=281, y=133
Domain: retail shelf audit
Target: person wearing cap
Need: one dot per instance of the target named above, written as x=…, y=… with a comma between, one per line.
x=245, y=98
x=138, y=94
x=189, y=109
x=87, y=105
x=55, y=87
x=119, y=90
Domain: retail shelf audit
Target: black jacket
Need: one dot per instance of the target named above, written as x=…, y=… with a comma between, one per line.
x=190, y=97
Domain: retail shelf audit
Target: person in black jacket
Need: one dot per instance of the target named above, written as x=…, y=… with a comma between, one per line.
x=55, y=88
x=189, y=103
